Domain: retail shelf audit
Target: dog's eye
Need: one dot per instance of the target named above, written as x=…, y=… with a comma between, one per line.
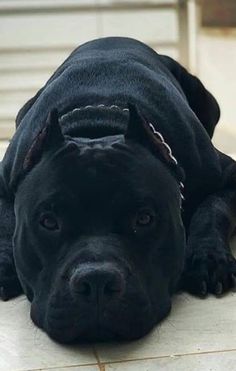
x=49, y=222
x=144, y=218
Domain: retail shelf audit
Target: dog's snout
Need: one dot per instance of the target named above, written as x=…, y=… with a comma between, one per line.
x=97, y=282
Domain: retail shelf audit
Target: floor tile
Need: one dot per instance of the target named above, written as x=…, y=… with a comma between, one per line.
x=207, y=362
x=25, y=347
x=194, y=326
x=72, y=368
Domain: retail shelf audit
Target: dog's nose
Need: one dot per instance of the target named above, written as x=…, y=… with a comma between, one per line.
x=97, y=282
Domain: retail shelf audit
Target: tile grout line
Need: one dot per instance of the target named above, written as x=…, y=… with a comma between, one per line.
x=102, y=365
x=99, y=363
x=61, y=367
x=164, y=356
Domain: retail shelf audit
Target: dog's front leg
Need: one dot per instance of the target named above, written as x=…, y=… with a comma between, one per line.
x=9, y=283
x=210, y=266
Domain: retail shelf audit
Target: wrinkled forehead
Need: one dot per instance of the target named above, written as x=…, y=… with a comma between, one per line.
x=101, y=170
x=103, y=142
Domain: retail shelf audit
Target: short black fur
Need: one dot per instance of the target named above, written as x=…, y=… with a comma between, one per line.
x=93, y=226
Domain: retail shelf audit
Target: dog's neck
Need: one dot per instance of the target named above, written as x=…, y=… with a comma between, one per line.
x=94, y=121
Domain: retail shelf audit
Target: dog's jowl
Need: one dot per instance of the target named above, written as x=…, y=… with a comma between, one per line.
x=112, y=195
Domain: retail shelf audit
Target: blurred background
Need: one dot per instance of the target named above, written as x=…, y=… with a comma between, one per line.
x=37, y=35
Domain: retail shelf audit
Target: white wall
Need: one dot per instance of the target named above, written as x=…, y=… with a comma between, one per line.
x=216, y=54
x=37, y=35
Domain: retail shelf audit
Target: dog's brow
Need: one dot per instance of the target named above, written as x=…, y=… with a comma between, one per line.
x=56, y=198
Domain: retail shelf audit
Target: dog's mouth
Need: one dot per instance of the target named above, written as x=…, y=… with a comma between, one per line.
x=85, y=325
x=125, y=322
x=73, y=335
x=98, y=332
x=68, y=322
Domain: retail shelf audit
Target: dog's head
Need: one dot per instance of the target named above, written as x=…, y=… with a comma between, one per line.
x=99, y=240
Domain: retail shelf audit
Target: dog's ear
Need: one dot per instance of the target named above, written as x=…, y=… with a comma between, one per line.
x=144, y=133
x=49, y=137
x=199, y=98
x=136, y=129
x=24, y=152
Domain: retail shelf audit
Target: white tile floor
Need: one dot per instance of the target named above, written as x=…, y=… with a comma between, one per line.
x=198, y=335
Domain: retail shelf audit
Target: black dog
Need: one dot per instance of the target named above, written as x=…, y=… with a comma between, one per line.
x=92, y=193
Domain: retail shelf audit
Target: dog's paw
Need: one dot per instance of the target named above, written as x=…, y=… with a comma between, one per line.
x=209, y=271
x=9, y=283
